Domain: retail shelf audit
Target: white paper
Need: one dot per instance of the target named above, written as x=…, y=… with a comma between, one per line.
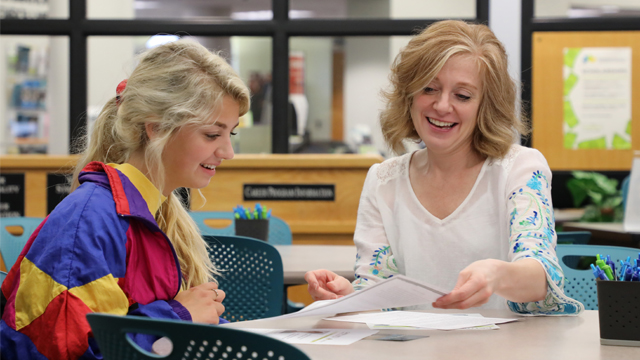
x=316, y=336
x=421, y=320
x=413, y=328
x=397, y=291
x=404, y=327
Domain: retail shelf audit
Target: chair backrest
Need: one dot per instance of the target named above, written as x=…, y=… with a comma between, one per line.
x=574, y=237
x=279, y=230
x=252, y=276
x=189, y=340
x=580, y=284
x=11, y=245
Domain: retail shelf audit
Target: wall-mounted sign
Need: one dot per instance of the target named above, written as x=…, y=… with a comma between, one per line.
x=597, y=98
x=11, y=195
x=289, y=192
x=57, y=189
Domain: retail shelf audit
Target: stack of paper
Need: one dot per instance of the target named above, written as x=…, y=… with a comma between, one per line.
x=316, y=336
x=420, y=320
x=397, y=291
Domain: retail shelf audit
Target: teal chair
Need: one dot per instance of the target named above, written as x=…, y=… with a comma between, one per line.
x=252, y=276
x=279, y=231
x=580, y=284
x=574, y=237
x=188, y=340
x=11, y=245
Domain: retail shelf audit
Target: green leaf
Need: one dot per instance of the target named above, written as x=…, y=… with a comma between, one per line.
x=601, y=183
x=612, y=202
x=570, y=117
x=620, y=143
x=595, y=197
x=569, y=140
x=578, y=191
x=570, y=55
x=569, y=83
x=591, y=214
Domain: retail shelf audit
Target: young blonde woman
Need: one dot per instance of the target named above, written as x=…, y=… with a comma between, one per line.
x=121, y=242
x=472, y=212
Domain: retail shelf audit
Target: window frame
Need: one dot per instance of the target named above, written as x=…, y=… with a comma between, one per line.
x=78, y=28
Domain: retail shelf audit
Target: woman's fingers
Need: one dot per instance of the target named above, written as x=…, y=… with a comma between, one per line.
x=220, y=295
x=470, y=291
x=320, y=284
x=208, y=285
x=476, y=299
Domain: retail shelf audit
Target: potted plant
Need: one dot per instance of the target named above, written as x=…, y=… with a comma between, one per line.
x=605, y=199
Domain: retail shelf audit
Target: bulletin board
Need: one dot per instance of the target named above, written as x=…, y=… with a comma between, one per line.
x=548, y=106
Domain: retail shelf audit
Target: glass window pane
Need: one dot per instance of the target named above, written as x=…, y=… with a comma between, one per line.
x=213, y=10
x=341, y=81
x=249, y=56
x=382, y=9
x=586, y=8
x=35, y=71
x=51, y=9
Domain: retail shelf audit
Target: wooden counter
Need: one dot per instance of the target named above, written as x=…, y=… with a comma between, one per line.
x=312, y=222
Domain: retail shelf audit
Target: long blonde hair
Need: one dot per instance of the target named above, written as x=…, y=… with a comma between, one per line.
x=420, y=62
x=174, y=85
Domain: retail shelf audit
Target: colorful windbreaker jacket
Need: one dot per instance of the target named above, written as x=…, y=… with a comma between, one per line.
x=100, y=250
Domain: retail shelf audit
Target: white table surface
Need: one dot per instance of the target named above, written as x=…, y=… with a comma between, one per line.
x=532, y=338
x=298, y=259
x=609, y=227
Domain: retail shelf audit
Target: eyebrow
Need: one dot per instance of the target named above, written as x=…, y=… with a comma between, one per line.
x=224, y=126
x=464, y=83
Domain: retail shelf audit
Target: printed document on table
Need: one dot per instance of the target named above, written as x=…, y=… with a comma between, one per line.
x=397, y=291
x=316, y=336
x=421, y=320
x=405, y=327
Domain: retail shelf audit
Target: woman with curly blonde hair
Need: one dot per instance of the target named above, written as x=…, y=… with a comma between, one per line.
x=472, y=211
x=122, y=242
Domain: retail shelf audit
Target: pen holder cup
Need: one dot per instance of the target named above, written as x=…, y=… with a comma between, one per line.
x=619, y=312
x=257, y=229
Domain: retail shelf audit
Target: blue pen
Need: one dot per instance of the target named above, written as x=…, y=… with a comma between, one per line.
x=612, y=265
x=623, y=268
x=258, y=210
x=269, y=214
x=628, y=274
x=635, y=276
x=598, y=273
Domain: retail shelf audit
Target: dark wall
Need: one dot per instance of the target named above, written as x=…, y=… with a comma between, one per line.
x=561, y=196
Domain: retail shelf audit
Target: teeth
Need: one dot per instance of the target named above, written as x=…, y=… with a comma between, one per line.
x=440, y=123
x=210, y=167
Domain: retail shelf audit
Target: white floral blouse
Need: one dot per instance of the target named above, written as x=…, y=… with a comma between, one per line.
x=507, y=216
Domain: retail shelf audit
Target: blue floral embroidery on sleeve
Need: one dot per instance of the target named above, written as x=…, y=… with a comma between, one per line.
x=382, y=265
x=532, y=233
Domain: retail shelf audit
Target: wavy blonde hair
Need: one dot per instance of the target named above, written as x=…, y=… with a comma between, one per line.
x=174, y=85
x=498, y=122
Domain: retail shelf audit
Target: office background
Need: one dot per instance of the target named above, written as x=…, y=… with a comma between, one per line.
x=81, y=49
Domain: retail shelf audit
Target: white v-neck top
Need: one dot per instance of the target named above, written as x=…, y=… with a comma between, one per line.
x=507, y=216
